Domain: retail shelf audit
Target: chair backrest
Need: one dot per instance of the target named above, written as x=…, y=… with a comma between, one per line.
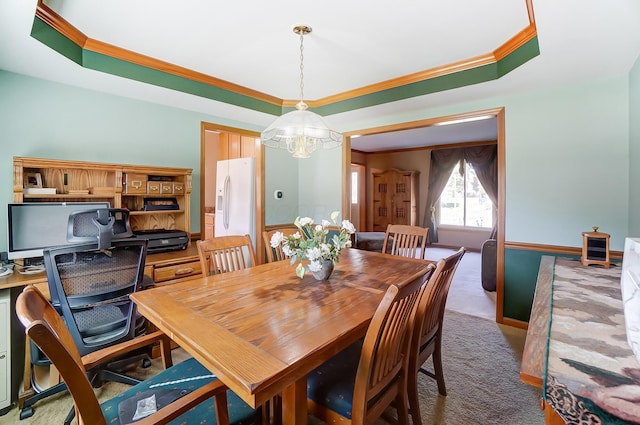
x=383, y=362
x=99, y=225
x=407, y=241
x=430, y=310
x=224, y=254
x=47, y=330
x=91, y=288
x=276, y=253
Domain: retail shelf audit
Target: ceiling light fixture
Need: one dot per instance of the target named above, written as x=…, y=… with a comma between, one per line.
x=300, y=131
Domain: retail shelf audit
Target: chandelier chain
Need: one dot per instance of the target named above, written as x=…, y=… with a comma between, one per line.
x=301, y=67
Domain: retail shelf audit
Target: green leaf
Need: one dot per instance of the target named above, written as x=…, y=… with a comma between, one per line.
x=300, y=270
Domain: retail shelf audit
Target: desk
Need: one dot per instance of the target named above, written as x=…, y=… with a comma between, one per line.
x=166, y=268
x=576, y=346
x=262, y=329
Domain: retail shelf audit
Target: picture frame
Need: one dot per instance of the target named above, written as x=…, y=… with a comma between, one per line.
x=32, y=180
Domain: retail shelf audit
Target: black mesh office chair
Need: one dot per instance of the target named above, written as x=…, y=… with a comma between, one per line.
x=89, y=284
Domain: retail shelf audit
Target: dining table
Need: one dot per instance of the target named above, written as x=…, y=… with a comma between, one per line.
x=261, y=330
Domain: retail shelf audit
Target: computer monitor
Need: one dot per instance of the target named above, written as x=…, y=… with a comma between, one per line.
x=37, y=225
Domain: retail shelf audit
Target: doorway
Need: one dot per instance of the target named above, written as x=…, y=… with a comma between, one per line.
x=221, y=142
x=498, y=113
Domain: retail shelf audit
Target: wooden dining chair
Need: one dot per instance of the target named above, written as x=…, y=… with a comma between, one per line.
x=276, y=254
x=405, y=241
x=427, y=331
x=182, y=391
x=223, y=254
x=358, y=384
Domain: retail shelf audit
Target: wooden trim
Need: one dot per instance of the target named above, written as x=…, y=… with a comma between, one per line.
x=346, y=179
x=62, y=26
x=65, y=28
x=430, y=148
x=515, y=323
x=555, y=249
x=500, y=225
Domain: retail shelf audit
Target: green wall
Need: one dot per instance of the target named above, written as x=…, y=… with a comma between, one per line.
x=567, y=155
x=39, y=118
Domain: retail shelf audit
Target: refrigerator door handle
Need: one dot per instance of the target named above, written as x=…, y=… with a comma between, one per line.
x=227, y=184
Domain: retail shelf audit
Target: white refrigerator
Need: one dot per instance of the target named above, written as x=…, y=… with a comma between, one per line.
x=235, y=198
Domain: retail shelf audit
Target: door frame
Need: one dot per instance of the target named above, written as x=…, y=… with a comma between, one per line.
x=259, y=180
x=499, y=113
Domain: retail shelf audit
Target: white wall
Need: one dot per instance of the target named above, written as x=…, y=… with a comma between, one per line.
x=634, y=150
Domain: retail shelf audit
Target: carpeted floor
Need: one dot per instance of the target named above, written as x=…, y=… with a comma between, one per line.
x=482, y=363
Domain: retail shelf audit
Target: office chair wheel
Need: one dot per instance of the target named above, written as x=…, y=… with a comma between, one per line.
x=146, y=362
x=26, y=412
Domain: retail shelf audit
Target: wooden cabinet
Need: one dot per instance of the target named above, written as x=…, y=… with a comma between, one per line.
x=233, y=145
x=123, y=186
x=595, y=248
x=395, y=198
x=209, y=225
x=171, y=267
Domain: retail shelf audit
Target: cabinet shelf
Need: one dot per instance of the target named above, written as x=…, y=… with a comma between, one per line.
x=156, y=212
x=59, y=196
x=122, y=185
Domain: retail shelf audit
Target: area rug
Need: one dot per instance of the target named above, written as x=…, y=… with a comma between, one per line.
x=481, y=364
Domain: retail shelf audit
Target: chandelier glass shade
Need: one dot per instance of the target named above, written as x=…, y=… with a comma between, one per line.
x=300, y=131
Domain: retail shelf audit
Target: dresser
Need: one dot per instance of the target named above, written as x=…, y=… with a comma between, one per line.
x=394, y=198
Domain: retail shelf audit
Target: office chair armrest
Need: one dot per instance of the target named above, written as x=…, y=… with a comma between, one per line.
x=98, y=357
x=181, y=405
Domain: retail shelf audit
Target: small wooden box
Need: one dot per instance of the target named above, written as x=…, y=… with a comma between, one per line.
x=178, y=188
x=166, y=188
x=134, y=184
x=595, y=248
x=153, y=188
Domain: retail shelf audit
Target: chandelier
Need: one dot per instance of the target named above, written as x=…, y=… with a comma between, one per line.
x=300, y=131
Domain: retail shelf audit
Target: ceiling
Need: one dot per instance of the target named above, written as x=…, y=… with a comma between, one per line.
x=365, y=62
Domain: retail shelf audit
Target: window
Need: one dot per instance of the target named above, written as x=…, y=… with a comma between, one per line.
x=354, y=187
x=463, y=201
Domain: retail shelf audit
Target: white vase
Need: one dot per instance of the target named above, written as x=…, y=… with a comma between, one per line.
x=325, y=271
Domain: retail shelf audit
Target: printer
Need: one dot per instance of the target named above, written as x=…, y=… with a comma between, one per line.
x=162, y=240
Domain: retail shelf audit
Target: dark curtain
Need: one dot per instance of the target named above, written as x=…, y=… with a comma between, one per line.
x=442, y=162
x=483, y=159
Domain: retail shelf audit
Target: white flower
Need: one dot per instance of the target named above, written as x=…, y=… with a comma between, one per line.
x=348, y=226
x=314, y=253
x=277, y=239
x=306, y=221
x=315, y=266
x=311, y=242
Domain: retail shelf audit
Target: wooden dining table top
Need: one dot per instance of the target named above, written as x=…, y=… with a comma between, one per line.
x=262, y=329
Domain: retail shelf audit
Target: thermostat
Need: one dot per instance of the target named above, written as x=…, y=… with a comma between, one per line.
x=277, y=194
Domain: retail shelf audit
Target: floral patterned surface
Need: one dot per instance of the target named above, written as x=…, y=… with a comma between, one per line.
x=592, y=376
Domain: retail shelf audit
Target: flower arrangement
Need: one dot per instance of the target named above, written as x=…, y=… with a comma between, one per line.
x=310, y=242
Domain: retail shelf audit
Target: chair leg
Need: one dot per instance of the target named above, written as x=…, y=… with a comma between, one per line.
x=401, y=405
x=437, y=368
x=412, y=395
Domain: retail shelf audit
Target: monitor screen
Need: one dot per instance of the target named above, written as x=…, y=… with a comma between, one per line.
x=38, y=225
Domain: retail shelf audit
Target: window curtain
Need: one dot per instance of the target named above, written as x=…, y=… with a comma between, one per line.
x=442, y=162
x=483, y=159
